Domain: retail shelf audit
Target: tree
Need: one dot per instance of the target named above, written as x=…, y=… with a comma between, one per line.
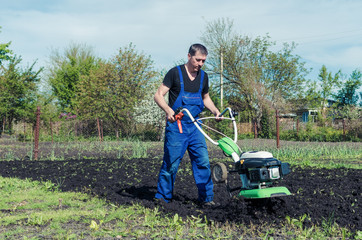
x=284, y=75
x=5, y=52
x=348, y=95
x=312, y=97
x=328, y=83
x=113, y=89
x=253, y=72
x=66, y=70
x=18, y=92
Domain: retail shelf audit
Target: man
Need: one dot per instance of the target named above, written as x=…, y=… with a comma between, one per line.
x=187, y=86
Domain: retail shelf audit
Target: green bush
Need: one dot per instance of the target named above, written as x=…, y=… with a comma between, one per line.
x=245, y=136
x=23, y=138
x=266, y=130
x=224, y=127
x=321, y=134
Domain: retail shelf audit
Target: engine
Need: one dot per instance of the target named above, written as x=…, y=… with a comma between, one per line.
x=259, y=169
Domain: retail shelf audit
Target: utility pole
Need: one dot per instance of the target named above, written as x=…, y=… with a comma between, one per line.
x=36, y=134
x=221, y=79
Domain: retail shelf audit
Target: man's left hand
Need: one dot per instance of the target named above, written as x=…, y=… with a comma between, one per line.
x=218, y=117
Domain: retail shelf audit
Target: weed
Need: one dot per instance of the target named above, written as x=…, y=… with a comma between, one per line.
x=59, y=182
x=297, y=223
x=328, y=225
x=358, y=235
x=9, y=156
x=139, y=149
x=50, y=186
x=94, y=225
x=36, y=220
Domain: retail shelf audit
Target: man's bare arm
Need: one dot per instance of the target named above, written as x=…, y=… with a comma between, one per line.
x=160, y=100
x=209, y=104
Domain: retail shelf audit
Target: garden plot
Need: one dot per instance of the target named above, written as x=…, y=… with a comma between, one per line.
x=320, y=195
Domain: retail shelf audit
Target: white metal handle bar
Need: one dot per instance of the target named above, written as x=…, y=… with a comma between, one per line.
x=202, y=131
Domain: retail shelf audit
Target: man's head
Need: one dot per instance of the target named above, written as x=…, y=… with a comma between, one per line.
x=196, y=57
x=197, y=47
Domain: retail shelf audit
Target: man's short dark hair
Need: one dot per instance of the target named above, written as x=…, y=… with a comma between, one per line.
x=197, y=47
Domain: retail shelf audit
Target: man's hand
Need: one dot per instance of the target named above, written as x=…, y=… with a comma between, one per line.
x=170, y=114
x=218, y=117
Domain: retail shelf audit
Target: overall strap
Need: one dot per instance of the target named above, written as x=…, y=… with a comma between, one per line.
x=201, y=81
x=181, y=79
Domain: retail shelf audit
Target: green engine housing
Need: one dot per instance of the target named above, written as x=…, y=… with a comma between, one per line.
x=228, y=146
x=265, y=192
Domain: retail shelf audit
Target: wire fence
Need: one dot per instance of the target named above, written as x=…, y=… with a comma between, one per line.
x=94, y=129
x=72, y=129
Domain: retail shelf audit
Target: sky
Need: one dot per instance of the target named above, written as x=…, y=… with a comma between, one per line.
x=327, y=32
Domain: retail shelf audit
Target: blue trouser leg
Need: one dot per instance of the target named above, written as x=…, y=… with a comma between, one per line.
x=174, y=149
x=201, y=166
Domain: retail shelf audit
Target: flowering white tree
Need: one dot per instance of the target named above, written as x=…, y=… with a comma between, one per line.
x=148, y=112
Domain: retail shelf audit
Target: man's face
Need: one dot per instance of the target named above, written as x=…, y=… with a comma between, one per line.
x=197, y=61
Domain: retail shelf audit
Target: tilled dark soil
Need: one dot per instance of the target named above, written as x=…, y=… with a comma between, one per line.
x=324, y=195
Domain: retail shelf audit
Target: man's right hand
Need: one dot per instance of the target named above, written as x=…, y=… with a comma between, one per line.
x=170, y=115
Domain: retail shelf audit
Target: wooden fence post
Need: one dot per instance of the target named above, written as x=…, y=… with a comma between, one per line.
x=255, y=129
x=297, y=126
x=51, y=129
x=24, y=132
x=344, y=129
x=99, y=130
x=277, y=125
x=102, y=130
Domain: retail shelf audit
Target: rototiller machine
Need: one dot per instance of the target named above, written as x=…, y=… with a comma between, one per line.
x=258, y=170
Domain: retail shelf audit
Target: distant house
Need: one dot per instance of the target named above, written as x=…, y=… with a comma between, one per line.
x=285, y=117
x=303, y=114
x=287, y=120
x=306, y=113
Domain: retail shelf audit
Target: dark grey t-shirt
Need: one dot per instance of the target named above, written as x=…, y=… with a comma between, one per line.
x=172, y=80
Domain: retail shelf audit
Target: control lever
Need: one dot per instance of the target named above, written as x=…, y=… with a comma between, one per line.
x=178, y=116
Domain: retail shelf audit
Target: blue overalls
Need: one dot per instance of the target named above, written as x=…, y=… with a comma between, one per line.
x=176, y=144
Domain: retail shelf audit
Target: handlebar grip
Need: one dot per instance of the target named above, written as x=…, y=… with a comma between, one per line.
x=223, y=112
x=231, y=113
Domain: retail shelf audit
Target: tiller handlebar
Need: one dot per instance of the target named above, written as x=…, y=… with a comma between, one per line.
x=227, y=144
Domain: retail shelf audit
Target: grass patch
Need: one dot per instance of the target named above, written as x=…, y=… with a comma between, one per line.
x=312, y=154
x=321, y=156
x=58, y=151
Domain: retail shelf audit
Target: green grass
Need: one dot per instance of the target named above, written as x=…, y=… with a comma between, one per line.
x=76, y=150
x=35, y=210
x=321, y=156
x=313, y=154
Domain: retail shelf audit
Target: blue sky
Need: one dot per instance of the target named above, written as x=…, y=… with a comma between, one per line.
x=327, y=32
